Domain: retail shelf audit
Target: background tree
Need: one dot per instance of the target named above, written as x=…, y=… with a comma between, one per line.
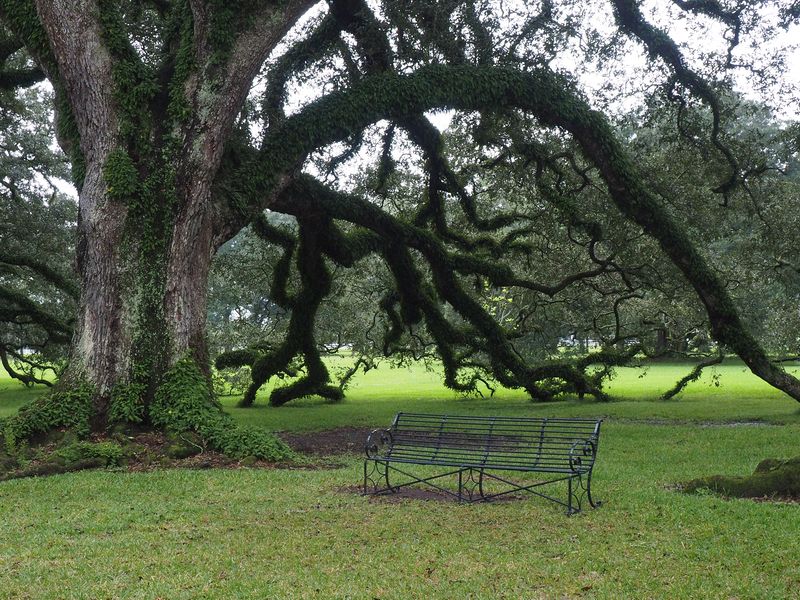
x=38, y=288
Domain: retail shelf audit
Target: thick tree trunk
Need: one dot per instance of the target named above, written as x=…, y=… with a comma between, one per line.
x=102, y=343
x=191, y=249
x=139, y=309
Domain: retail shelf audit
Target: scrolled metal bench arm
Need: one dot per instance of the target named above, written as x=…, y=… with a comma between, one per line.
x=580, y=450
x=378, y=441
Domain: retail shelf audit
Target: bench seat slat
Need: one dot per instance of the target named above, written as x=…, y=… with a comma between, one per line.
x=504, y=467
x=480, y=458
x=483, y=441
x=491, y=443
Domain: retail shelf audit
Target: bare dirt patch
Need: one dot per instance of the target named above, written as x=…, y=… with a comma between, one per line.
x=135, y=451
x=330, y=442
x=141, y=451
x=149, y=452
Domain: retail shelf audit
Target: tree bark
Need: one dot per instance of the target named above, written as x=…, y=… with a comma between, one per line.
x=101, y=347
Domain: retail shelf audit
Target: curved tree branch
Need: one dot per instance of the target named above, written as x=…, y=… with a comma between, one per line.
x=630, y=20
x=555, y=103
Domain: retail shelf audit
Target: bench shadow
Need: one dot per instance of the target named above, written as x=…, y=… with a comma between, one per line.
x=414, y=493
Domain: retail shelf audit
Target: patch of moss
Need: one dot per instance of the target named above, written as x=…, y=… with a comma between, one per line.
x=772, y=477
x=70, y=455
x=184, y=445
x=107, y=454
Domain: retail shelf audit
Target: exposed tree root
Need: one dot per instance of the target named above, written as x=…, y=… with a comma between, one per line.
x=772, y=477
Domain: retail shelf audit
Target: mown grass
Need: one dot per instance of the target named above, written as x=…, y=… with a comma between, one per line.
x=13, y=395
x=297, y=533
x=375, y=397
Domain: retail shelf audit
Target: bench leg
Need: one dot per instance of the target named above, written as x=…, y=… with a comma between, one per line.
x=386, y=477
x=569, y=497
x=469, y=486
x=372, y=477
x=592, y=503
x=573, y=499
x=585, y=489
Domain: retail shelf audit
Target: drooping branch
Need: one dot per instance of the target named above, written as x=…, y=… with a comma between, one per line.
x=375, y=49
x=693, y=375
x=21, y=18
x=294, y=60
x=711, y=8
x=423, y=133
x=20, y=78
x=314, y=286
x=26, y=379
x=18, y=309
x=66, y=285
x=417, y=301
x=658, y=43
x=555, y=103
x=355, y=17
x=363, y=213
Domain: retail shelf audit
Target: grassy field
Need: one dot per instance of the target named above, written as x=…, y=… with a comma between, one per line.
x=298, y=533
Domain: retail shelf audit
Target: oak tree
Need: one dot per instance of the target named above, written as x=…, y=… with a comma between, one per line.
x=182, y=128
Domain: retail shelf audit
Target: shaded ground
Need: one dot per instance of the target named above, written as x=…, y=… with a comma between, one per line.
x=151, y=452
x=147, y=451
x=343, y=440
x=134, y=451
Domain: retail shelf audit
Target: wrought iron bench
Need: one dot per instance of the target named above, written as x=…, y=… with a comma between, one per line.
x=474, y=448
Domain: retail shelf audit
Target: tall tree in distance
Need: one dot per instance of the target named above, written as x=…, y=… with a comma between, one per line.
x=38, y=290
x=171, y=159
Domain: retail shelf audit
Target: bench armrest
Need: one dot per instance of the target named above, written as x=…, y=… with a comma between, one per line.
x=582, y=454
x=378, y=442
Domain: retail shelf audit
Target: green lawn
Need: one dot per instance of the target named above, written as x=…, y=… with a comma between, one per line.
x=294, y=533
x=375, y=397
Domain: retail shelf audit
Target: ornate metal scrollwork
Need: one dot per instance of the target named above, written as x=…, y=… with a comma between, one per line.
x=470, y=485
x=377, y=443
x=376, y=477
x=579, y=451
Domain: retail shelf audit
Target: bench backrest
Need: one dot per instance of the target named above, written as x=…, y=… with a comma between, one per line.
x=562, y=445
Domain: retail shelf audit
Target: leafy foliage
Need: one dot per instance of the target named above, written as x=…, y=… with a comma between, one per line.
x=185, y=402
x=71, y=408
